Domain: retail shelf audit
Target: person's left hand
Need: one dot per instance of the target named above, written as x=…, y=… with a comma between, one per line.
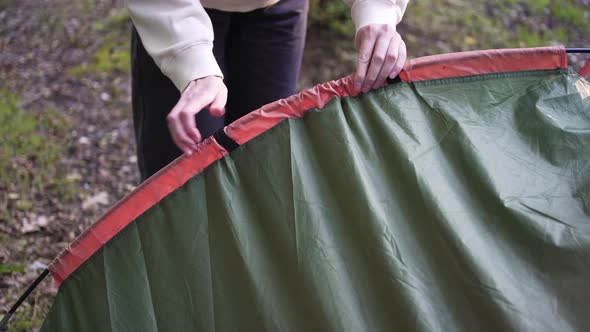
x=381, y=53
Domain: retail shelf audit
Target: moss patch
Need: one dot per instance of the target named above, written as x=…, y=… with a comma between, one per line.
x=111, y=56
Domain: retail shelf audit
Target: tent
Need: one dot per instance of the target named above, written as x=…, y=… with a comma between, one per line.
x=456, y=198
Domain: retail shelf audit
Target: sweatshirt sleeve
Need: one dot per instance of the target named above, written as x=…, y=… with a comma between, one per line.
x=366, y=12
x=178, y=35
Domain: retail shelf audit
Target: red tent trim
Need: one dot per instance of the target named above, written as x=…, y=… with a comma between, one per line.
x=253, y=124
x=483, y=62
x=585, y=71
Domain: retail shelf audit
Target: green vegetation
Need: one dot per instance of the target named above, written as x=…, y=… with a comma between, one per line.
x=30, y=147
x=119, y=19
x=431, y=27
x=11, y=268
x=112, y=56
x=28, y=317
x=331, y=14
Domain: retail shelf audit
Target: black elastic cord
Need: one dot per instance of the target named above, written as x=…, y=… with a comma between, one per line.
x=4, y=322
x=577, y=50
x=225, y=141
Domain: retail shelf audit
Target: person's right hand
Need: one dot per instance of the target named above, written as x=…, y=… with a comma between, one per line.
x=382, y=54
x=205, y=92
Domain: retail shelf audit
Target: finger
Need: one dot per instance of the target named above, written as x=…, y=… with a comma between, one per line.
x=195, y=104
x=217, y=107
x=388, y=64
x=377, y=59
x=180, y=138
x=172, y=120
x=189, y=125
x=400, y=61
x=183, y=147
x=186, y=118
x=364, y=57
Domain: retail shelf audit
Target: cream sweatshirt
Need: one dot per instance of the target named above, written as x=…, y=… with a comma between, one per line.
x=178, y=34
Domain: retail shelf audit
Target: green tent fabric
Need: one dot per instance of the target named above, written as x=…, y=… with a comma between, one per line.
x=455, y=200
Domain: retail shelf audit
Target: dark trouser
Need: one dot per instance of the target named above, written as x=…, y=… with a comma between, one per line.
x=260, y=55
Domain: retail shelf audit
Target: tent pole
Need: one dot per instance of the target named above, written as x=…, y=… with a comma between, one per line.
x=4, y=322
x=577, y=50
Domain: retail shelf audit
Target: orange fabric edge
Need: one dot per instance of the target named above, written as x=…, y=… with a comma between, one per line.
x=585, y=71
x=133, y=205
x=266, y=117
x=483, y=62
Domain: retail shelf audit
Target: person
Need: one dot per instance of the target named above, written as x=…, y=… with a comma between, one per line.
x=232, y=57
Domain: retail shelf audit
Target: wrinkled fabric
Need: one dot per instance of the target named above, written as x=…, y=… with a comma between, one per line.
x=459, y=204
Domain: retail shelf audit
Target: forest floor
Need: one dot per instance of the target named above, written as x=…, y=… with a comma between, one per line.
x=66, y=137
